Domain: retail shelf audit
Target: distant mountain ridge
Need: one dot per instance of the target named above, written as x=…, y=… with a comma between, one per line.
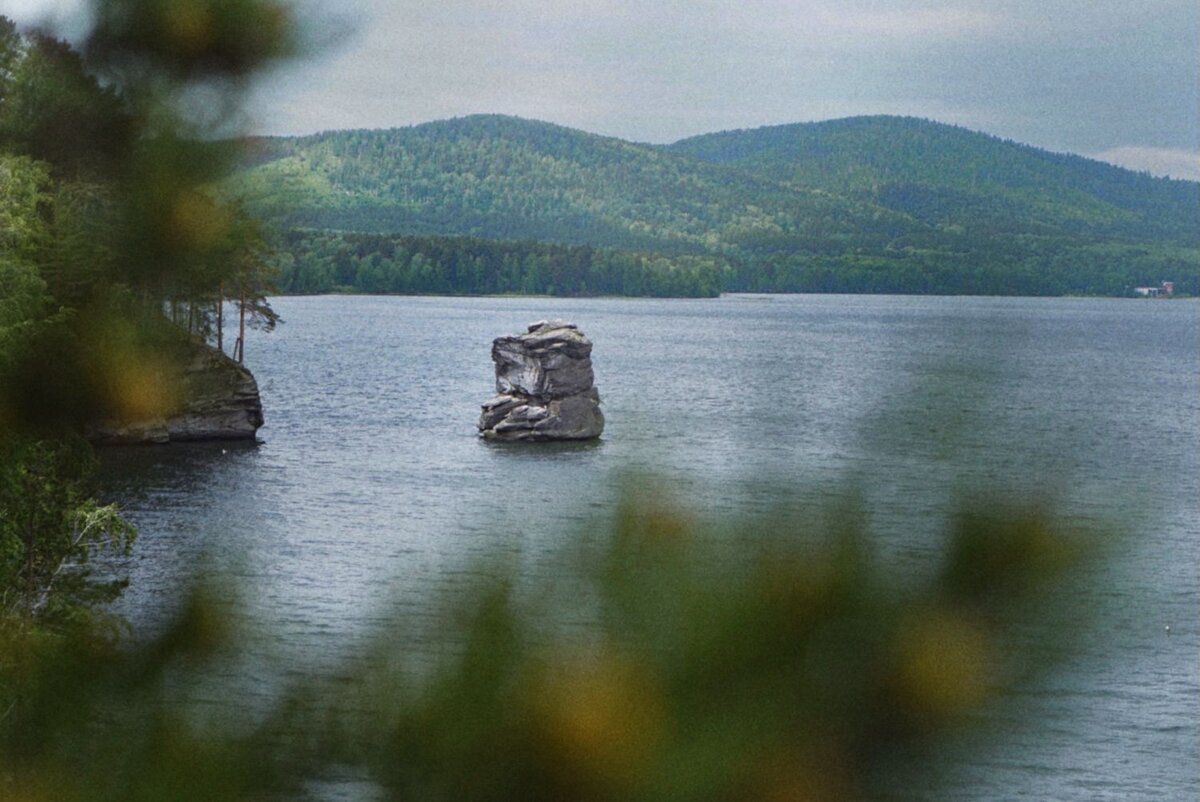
x=862, y=155
x=886, y=204
x=508, y=178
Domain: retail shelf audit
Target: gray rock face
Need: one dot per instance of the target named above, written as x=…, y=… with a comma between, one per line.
x=219, y=401
x=544, y=381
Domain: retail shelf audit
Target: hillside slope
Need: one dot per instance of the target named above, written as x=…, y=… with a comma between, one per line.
x=507, y=178
x=878, y=204
x=942, y=173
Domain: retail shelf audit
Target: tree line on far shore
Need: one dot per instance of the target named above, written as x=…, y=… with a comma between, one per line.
x=315, y=262
x=323, y=262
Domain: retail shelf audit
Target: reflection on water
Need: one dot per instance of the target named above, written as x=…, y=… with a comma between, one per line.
x=371, y=486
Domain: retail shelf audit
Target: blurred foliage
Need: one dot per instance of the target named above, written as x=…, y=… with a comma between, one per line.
x=766, y=660
x=655, y=658
x=55, y=112
x=187, y=41
x=49, y=527
x=81, y=719
x=115, y=256
x=110, y=149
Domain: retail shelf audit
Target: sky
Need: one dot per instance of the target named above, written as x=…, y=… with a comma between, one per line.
x=1117, y=80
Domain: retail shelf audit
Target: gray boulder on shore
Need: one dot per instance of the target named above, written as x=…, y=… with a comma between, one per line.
x=545, y=389
x=218, y=400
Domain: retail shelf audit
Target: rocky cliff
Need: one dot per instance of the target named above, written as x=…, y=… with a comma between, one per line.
x=545, y=389
x=217, y=399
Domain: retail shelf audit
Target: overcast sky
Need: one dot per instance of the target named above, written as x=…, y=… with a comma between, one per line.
x=1114, y=79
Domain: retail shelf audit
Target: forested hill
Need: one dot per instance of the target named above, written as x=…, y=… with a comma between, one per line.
x=936, y=172
x=873, y=204
x=507, y=178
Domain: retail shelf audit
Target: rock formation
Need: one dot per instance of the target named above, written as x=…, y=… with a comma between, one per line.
x=544, y=380
x=218, y=400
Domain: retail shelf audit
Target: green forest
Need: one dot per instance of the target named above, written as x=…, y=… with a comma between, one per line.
x=870, y=204
x=322, y=262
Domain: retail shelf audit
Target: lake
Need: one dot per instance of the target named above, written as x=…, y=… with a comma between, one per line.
x=370, y=486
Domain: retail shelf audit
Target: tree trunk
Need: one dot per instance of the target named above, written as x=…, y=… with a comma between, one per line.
x=221, y=317
x=241, y=325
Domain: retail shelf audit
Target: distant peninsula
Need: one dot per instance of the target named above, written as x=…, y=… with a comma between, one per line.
x=496, y=204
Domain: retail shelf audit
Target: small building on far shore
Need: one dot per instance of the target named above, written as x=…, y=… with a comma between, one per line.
x=1164, y=290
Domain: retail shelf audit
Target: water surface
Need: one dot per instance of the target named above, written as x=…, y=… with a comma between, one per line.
x=370, y=485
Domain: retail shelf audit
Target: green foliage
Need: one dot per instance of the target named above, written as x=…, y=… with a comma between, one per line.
x=318, y=262
x=763, y=660
x=505, y=178
x=191, y=41
x=129, y=155
x=650, y=658
x=995, y=217
x=82, y=720
x=52, y=110
x=49, y=528
x=107, y=218
x=22, y=301
x=945, y=174
x=862, y=205
x=23, y=192
x=23, y=293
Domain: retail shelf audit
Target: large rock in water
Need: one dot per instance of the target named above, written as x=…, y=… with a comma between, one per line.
x=544, y=380
x=217, y=399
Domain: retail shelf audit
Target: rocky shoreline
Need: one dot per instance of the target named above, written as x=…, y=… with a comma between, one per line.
x=219, y=401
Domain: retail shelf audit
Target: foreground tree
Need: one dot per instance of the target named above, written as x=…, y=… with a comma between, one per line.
x=108, y=220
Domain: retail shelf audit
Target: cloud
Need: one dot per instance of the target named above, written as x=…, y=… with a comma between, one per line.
x=912, y=23
x=1171, y=162
x=1074, y=75
x=652, y=71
